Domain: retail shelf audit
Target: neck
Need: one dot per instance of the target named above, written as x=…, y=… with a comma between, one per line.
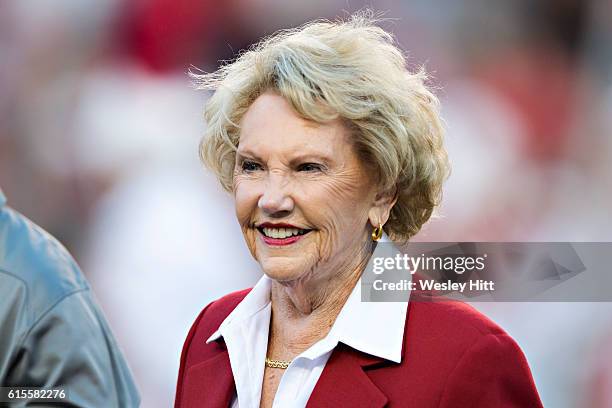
x=304, y=311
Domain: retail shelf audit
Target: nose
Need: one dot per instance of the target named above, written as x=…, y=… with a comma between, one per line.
x=275, y=199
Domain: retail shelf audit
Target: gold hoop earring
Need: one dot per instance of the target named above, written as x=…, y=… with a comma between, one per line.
x=377, y=233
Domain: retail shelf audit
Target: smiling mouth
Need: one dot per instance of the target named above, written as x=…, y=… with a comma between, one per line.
x=282, y=233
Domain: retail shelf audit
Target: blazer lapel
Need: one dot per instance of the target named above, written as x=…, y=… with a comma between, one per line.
x=209, y=383
x=344, y=383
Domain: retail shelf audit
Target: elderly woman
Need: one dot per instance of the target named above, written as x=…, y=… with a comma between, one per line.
x=325, y=140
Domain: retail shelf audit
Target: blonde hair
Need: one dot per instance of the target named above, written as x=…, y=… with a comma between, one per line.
x=349, y=69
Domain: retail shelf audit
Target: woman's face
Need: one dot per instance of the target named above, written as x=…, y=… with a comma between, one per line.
x=303, y=198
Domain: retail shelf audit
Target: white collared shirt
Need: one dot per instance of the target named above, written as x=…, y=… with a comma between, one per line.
x=375, y=328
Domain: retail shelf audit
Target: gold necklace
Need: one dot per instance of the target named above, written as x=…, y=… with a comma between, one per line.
x=277, y=363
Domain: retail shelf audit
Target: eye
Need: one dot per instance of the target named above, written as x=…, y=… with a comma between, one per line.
x=249, y=166
x=310, y=167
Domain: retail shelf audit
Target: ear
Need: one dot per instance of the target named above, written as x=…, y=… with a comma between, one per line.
x=381, y=206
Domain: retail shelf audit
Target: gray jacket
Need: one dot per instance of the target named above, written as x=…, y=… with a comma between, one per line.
x=52, y=332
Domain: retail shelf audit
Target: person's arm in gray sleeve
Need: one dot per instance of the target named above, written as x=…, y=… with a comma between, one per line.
x=52, y=332
x=70, y=346
x=13, y=321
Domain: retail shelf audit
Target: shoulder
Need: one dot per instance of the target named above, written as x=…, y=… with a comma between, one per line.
x=207, y=322
x=455, y=344
x=195, y=349
x=212, y=316
x=444, y=330
x=450, y=317
x=37, y=261
x=220, y=308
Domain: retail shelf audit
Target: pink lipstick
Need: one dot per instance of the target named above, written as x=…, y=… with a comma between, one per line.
x=268, y=231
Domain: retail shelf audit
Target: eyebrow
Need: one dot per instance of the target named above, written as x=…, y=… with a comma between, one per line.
x=246, y=154
x=300, y=158
x=310, y=158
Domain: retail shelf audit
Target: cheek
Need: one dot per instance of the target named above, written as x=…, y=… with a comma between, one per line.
x=245, y=198
x=338, y=207
x=346, y=196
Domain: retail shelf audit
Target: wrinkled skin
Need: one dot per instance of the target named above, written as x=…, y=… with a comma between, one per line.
x=290, y=170
x=307, y=174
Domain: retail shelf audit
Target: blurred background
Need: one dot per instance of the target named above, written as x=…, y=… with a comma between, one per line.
x=99, y=129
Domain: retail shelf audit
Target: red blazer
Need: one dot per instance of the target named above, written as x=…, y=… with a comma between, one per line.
x=453, y=356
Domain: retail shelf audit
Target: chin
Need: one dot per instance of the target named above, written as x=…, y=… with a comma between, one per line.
x=282, y=269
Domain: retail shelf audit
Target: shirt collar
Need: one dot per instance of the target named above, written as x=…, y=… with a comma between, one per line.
x=253, y=302
x=2, y=198
x=375, y=328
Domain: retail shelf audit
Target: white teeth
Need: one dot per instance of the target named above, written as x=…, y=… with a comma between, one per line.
x=281, y=233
